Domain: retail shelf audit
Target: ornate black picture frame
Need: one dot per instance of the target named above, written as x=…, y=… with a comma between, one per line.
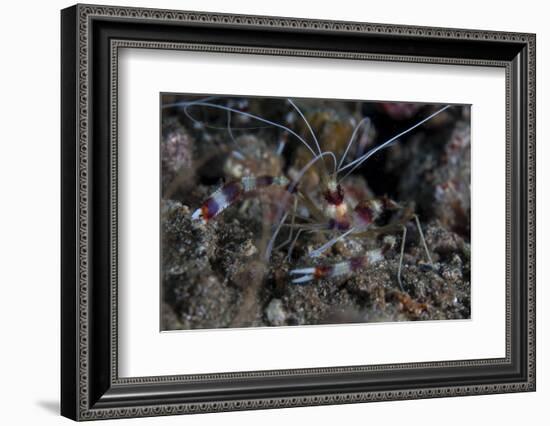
x=91, y=387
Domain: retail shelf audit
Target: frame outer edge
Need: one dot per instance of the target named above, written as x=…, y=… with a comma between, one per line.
x=69, y=258
x=83, y=229
x=80, y=318
x=531, y=213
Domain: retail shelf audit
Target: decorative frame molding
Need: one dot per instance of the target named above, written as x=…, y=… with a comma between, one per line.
x=91, y=37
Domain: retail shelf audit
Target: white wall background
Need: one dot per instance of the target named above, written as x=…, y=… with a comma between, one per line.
x=29, y=212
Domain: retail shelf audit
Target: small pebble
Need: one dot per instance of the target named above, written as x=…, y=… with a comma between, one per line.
x=249, y=249
x=275, y=312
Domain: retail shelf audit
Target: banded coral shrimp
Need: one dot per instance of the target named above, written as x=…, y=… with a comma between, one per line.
x=307, y=211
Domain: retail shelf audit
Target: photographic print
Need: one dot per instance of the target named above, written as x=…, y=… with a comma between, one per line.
x=288, y=211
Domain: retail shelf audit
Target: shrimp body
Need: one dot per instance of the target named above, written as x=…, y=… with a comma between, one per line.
x=232, y=192
x=346, y=267
x=327, y=209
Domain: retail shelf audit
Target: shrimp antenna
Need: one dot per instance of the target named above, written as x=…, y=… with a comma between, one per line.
x=307, y=123
x=352, y=139
x=185, y=103
x=291, y=189
x=254, y=117
x=357, y=162
x=230, y=131
x=311, y=162
x=208, y=126
x=318, y=251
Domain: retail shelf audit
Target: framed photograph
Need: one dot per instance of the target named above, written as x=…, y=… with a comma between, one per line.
x=263, y=212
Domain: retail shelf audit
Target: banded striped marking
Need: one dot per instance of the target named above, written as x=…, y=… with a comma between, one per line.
x=366, y=212
x=336, y=208
x=232, y=192
x=338, y=269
